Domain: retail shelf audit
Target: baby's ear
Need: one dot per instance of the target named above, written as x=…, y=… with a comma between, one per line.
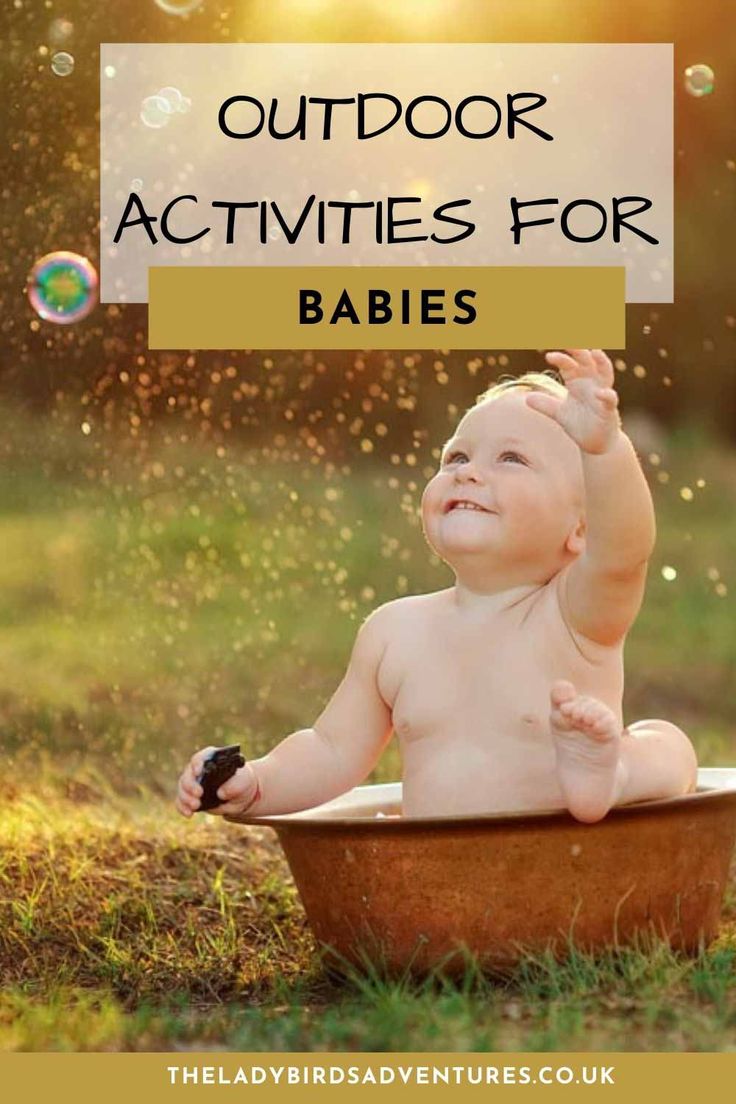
x=575, y=542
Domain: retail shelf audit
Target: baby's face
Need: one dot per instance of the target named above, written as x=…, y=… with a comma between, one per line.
x=525, y=475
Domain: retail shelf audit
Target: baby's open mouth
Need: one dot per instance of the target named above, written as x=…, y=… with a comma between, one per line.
x=465, y=504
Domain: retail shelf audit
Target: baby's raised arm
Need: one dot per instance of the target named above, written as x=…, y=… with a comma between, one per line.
x=602, y=590
x=314, y=764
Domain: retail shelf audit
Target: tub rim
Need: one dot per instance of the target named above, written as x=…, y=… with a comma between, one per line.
x=713, y=783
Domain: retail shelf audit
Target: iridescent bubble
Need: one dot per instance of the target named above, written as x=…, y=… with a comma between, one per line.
x=136, y=184
x=172, y=96
x=60, y=31
x=178, y=7
x=155, y=112
x=699, y=80
x=274, y=233
x=62, y=64
x=185, y=105
x=62, y=287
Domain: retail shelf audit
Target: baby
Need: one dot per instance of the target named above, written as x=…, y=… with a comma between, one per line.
x=505, y=689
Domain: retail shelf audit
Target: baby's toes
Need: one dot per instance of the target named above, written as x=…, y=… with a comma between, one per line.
x=560, y=720
x=562, y=693
x=592, y=712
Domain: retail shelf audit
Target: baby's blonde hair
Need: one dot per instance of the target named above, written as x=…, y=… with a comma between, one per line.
x=530, y=381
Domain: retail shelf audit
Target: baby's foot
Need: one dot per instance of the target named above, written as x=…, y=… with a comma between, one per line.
x=587, y=739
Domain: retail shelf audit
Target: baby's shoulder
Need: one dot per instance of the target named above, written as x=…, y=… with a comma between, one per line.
x=410, y=609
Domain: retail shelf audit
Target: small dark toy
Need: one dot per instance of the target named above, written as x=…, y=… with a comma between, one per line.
x=221, y=765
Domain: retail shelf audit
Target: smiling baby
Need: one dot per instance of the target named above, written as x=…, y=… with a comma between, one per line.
x=505, y=689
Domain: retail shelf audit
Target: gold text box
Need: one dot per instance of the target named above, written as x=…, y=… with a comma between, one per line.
x=122, y=1078
x=516, y=308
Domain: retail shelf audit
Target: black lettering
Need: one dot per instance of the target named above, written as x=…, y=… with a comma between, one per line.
x=228, y=104
x=440, y=215
x=459, y=116
x=144, y=219
x=405, y=307
x=518, y=226
x=565, y=223
x=347, y=213
x=514, y=113
x=379, y=311
x=310, y=310
x=363, y=98
x=427, y=99
x=344, y=309
x=619, y=217
x=165, y=223
x=292, y=235
x=430, y=306
x=391, y=238
x=470, y=311
x=231, y=209
x=300, y=126
x=328, y=106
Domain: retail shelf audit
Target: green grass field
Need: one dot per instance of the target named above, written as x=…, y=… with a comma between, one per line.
x=154, y=600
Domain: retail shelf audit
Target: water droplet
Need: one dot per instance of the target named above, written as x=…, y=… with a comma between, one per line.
x=110, y=71
x=686, y=494
x=669, y=573
x=62, y=64
x=699, y=80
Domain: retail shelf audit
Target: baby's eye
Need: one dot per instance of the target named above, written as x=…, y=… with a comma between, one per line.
x=514, y=457
x=453, y=457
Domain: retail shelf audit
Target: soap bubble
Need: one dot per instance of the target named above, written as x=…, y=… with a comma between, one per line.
x=172, y=96
x=699, y=80
x=178, y=7
x=155, y=112
x=136, y=184
x=185, y=104
x=62, y=287
x=60, y=31
x=274, y=233
x=62, y=64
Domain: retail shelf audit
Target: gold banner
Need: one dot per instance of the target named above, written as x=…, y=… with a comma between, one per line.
x=122, y=1078
x=386, y=308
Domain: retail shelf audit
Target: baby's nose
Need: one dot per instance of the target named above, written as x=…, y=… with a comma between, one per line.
x=467, y=473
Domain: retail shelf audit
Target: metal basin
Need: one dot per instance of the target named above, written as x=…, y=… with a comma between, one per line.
x=412, y=893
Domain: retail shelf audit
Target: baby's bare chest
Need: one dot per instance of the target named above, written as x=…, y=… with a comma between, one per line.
x=486, y=690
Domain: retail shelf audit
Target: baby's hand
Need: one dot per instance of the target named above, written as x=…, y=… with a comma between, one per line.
x=238, y=793
x=589, y=412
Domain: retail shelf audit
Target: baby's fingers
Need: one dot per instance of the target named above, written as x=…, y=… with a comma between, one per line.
x=566, y=365
x=543, y=403
x=186, y=803
x=608, y=397
x=604, y=366
x=198, y=759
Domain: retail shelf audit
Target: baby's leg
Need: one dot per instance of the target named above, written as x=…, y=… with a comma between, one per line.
x=599, y=766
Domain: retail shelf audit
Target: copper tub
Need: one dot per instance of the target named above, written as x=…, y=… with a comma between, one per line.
x=419, y=893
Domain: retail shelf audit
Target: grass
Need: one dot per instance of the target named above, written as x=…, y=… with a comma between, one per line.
x=154, y=600
x=124, y=928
